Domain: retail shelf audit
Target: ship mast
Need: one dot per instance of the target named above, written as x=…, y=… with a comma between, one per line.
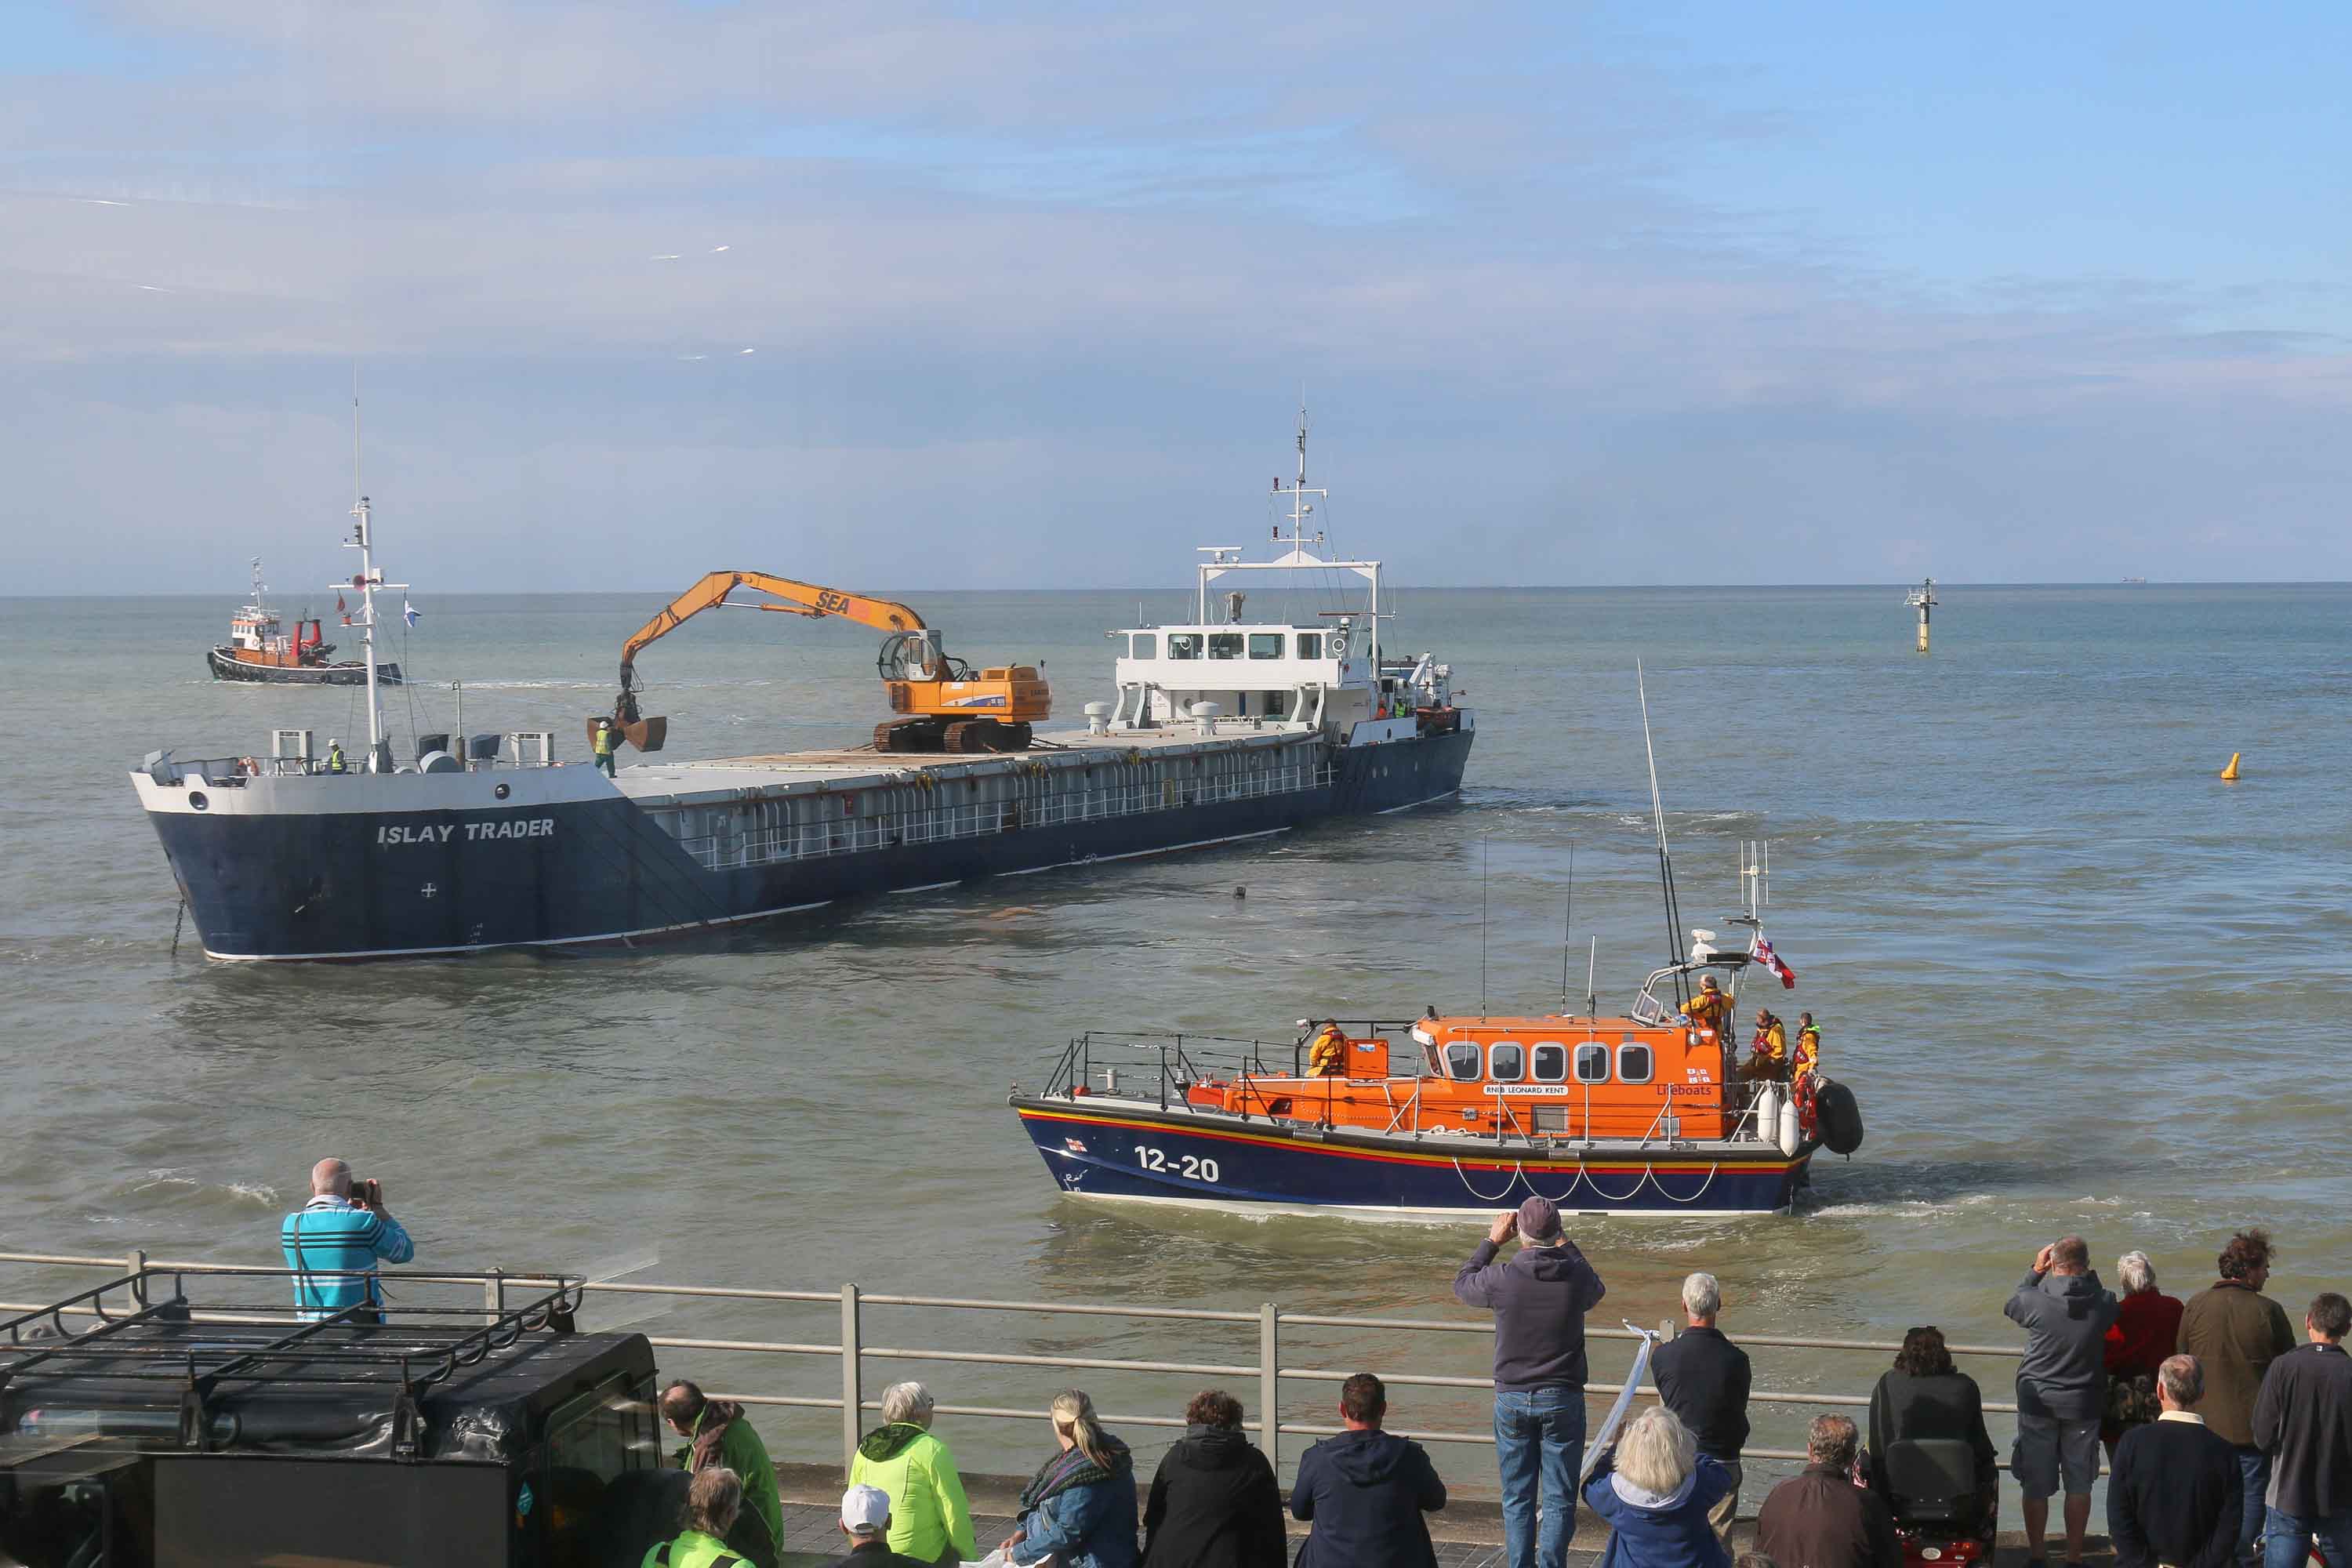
x=370, y=578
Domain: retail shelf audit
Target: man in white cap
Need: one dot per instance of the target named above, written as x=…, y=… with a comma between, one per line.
x=865, y=1519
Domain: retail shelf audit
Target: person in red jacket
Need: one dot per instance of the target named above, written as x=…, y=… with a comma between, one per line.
x=2146, y=1332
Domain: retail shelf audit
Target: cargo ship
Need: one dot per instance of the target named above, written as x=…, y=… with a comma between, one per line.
x=260, y=649
x=1221, y=731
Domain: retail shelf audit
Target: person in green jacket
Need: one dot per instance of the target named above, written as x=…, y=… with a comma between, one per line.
x=718, y=1436
x=714, y=1499
x=929, y=1520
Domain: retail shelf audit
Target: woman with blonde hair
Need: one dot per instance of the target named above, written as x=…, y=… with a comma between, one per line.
x=1654, y=1490
x=1079, y=1507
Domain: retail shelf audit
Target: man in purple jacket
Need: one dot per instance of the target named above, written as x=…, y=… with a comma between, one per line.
x=1539, y=1299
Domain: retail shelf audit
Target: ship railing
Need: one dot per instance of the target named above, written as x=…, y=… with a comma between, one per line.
x=1443, y=1360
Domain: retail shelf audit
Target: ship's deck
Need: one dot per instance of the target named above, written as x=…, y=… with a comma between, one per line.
x=769, y=770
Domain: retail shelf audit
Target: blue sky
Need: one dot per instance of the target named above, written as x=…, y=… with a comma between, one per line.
x=1606, y=293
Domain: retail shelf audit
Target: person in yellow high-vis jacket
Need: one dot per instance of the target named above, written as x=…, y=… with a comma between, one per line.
x=1808, y=1047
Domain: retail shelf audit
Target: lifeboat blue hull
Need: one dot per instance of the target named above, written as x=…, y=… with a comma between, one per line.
x=1101, y=1146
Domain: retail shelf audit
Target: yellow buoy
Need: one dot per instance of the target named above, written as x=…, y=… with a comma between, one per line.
x=2229, y=774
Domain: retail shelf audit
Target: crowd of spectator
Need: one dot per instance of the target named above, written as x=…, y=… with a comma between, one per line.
x=2228, y=1438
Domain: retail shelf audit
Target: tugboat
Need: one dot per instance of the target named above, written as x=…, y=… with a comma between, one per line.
x=258, y=649
x=1223, y=732
x=1644, y=1112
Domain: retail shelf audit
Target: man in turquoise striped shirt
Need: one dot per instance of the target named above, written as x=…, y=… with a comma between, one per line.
x=335, y=1236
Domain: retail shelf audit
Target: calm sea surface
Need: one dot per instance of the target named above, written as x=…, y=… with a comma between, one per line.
x=2078, y=984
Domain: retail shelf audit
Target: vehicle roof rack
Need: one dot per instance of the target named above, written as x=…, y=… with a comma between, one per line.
x=411, y=1348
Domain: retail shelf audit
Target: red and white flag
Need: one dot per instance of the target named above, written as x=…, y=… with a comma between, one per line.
x=1773, y=964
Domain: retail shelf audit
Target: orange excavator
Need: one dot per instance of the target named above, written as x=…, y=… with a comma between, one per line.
x=947, y=706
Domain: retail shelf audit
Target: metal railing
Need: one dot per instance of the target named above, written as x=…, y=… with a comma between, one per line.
x=855, y=1349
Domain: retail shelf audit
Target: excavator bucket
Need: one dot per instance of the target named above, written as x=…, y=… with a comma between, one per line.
x=645, y=734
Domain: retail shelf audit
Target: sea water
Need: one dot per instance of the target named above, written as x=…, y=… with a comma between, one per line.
x=2077, y=983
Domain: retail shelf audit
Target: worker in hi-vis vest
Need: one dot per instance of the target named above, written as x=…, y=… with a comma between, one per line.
x=335, y=764
x=605, y=740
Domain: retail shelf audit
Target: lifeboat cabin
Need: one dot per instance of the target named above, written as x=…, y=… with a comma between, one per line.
x=1647, y=1111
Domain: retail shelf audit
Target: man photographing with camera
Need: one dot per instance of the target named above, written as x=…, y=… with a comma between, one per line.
x=333, y=1241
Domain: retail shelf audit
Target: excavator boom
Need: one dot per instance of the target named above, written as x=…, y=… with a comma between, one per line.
x=944, y=704
x=796, y=599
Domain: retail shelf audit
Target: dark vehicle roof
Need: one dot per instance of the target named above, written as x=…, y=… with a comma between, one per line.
x=445, y=1388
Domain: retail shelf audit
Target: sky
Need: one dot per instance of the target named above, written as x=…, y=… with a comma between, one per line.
x=930, y=296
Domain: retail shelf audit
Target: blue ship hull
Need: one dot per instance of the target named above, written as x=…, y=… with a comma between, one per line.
x=568, y=860
x=1099, y=1146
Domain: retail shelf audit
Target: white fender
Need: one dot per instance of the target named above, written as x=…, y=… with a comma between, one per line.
x=1788, y=1126
x=1767, y=1113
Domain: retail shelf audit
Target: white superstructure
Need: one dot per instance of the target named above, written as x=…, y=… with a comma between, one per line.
x=1223, y=672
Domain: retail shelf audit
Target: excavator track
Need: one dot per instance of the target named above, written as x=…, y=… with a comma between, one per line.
x=911, y=735
x=980, y=736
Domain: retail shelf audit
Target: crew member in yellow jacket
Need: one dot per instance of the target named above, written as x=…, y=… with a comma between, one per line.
x=1710, y=1009
x=1808, y=1047
x=1769, y=1058
x=1326, y=1053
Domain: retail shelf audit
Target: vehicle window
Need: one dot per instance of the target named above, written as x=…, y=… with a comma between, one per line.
x=1266, y=645
x=1310, y=644
x=1147, y=645
x=1547, y=1062
x=1506, y=1061
x=1183, y=645
x=1632, y=1063
x=1462, y=1060
x=1225, y=645
x=592, y=1442
x=1592, y=1062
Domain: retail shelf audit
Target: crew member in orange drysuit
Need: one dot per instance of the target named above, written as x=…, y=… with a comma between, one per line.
x=1710, y=1009
x=1326, y=1053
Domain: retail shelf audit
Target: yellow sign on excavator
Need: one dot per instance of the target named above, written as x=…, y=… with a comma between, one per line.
x=942, y=703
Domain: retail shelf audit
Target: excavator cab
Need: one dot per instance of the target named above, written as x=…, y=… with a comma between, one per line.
x=918, y=656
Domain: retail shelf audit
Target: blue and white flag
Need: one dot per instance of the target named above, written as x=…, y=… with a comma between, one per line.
x=408, y=612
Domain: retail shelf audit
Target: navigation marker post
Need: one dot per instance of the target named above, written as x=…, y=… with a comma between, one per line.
x=1923, y=599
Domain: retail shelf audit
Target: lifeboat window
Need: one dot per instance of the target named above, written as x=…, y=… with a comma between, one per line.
x=1183, y=645
x=1592, y=1062
x=1549, y=1062
x=1147, y=645
x=1225, y=645
x=1632, y=1063
x=1506, y=1061
x=1310, y=644
x=1266, y=645
x=1462, y=1061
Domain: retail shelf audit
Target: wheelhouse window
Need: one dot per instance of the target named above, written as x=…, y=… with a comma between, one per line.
x=1183, y=645
x=1147, y=645
x=1310, y=644
x=1462, y=1060
x=1278, y=703
x=1547, y=1062
x=1592, y=1062
x=1266, y=645
x=1225, y=645
x=1506, y=1061
x=1633, y=1062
